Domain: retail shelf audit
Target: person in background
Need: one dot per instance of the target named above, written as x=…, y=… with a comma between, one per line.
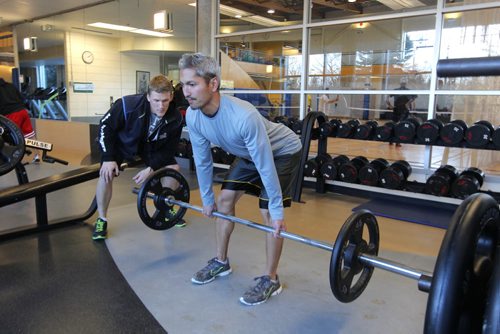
x=402, y=103
x=268, y=155
x=13, y=107
x=145, y=125
x=324, y=104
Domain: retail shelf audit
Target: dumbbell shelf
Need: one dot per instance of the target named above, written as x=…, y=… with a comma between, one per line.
x=366, y=259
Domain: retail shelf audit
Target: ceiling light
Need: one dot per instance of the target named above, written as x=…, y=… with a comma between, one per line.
x=129, y=29
x=29, y=44
x=249, y=17
x=163, y=21
x=270, y=11
x=351, y=0
x=238, y=16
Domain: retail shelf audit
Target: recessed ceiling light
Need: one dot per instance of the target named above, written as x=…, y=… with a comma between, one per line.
x=238, y=16
x=270, y=11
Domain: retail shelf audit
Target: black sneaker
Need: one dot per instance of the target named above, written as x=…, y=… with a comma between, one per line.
x=100, y=229
x=213, y=269
x=260, y=293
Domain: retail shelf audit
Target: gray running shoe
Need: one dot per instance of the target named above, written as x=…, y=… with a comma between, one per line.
x=213, y=269
x=260, y=293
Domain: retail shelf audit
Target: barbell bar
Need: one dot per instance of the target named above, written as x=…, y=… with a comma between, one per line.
x=458, y=288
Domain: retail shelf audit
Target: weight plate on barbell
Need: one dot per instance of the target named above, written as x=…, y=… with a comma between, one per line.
x=344, y=263
x=163, y=215
x=457, y=297
x=11, y=145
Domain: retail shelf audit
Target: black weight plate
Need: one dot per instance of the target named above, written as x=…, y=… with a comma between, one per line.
x=345, y=130
x=297, y=127
x=491, y=322
x=325, y=129
x=461, y=123
x=428, y=133
x=380, y=164
x=436, y=122
x=329, y=171
x=369, y=175
x=495, y=138
x=385, y=132
x=392, y=178
x=348, y=173
x=340, y=160
x=217, y=153
x=452, y=134
x=464, y=186
x=438, y=185
x=403, y=166
x=12, y=145
x=311, y=168
x=457, y=297
x=363, y=132
x=478, y=136
x=405, y=131
x=323, y=158
x=344, y=263
x=163, y=215
x=487, y=124
x=475, y=173
x=335, y=126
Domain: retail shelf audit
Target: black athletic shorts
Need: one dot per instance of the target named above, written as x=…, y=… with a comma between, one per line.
x=243, y=175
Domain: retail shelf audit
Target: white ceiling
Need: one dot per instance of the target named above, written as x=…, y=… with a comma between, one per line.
x=31, y=17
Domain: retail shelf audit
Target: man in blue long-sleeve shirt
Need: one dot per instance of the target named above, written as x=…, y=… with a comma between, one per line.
x=268, y=156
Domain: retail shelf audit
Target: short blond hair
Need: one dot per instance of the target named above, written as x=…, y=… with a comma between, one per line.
x=160, y=84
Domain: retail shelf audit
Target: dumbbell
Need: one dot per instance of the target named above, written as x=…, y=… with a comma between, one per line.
x=227, y=158
x=453, y=133
x=217, y=153
x=329, y=129
x=467, y=183
x=313, y=166
x=495, y=138
x=184, y=149
x=369, y=174
x=348, y=172
x=385, y=132
x=406, y=130
x=297, y=127
x=439, y=183
x=395, y=176
x=428, y=132
x=479, y=134
x=366, y=131
x=291, y=121
x=347, y=130
x=329, y=170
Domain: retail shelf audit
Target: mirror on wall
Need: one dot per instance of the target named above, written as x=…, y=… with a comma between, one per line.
x=74, y=65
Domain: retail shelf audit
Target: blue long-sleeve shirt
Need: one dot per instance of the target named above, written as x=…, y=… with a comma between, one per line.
x=238, y=128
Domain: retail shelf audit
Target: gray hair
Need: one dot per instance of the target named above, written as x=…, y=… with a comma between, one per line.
x=204, y=66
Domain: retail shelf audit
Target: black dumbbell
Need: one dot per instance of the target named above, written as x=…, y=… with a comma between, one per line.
x=467, y=183
x=495, y=138
x=385, y=132
x=395, y=176
x=366, y=131
x=406, y=130
x=439, y=183
x=453, y=133
x=348, y=172
x=313, y=166
x=325, y=129
x=217, y=153
x=428, y=132
x=335, y=127
x=184, y=149
x=297, y=127
x=347, y=130
x=369, y=174
x=329, y=170
x=479, y=134
x=227, y=158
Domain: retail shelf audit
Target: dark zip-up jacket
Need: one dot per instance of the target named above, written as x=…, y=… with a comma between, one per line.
x=123, y=132
x=10, y=98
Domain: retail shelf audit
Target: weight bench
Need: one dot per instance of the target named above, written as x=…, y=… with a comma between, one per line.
x=39, y=189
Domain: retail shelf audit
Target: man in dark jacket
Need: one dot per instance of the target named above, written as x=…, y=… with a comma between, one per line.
x=144, y=125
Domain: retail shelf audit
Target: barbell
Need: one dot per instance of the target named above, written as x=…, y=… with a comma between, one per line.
x=463, y=290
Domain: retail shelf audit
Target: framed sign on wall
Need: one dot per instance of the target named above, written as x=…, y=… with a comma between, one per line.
x=141, y=81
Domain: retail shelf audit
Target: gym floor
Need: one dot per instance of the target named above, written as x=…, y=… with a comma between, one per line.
x=138, y=280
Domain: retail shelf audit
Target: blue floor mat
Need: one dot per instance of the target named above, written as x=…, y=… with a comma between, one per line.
x=430, y=215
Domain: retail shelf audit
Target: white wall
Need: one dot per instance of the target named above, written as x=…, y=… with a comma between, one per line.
x=113, y=73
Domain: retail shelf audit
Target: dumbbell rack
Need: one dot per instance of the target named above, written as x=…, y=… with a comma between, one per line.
x=418, y=179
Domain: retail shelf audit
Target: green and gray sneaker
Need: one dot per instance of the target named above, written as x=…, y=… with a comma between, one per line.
x=213, y=269
x=100, y=229
x=181, y=223
x=260, y=293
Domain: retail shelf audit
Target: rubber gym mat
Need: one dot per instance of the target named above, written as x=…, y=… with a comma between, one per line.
x=63, y=282
x=430, y=215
